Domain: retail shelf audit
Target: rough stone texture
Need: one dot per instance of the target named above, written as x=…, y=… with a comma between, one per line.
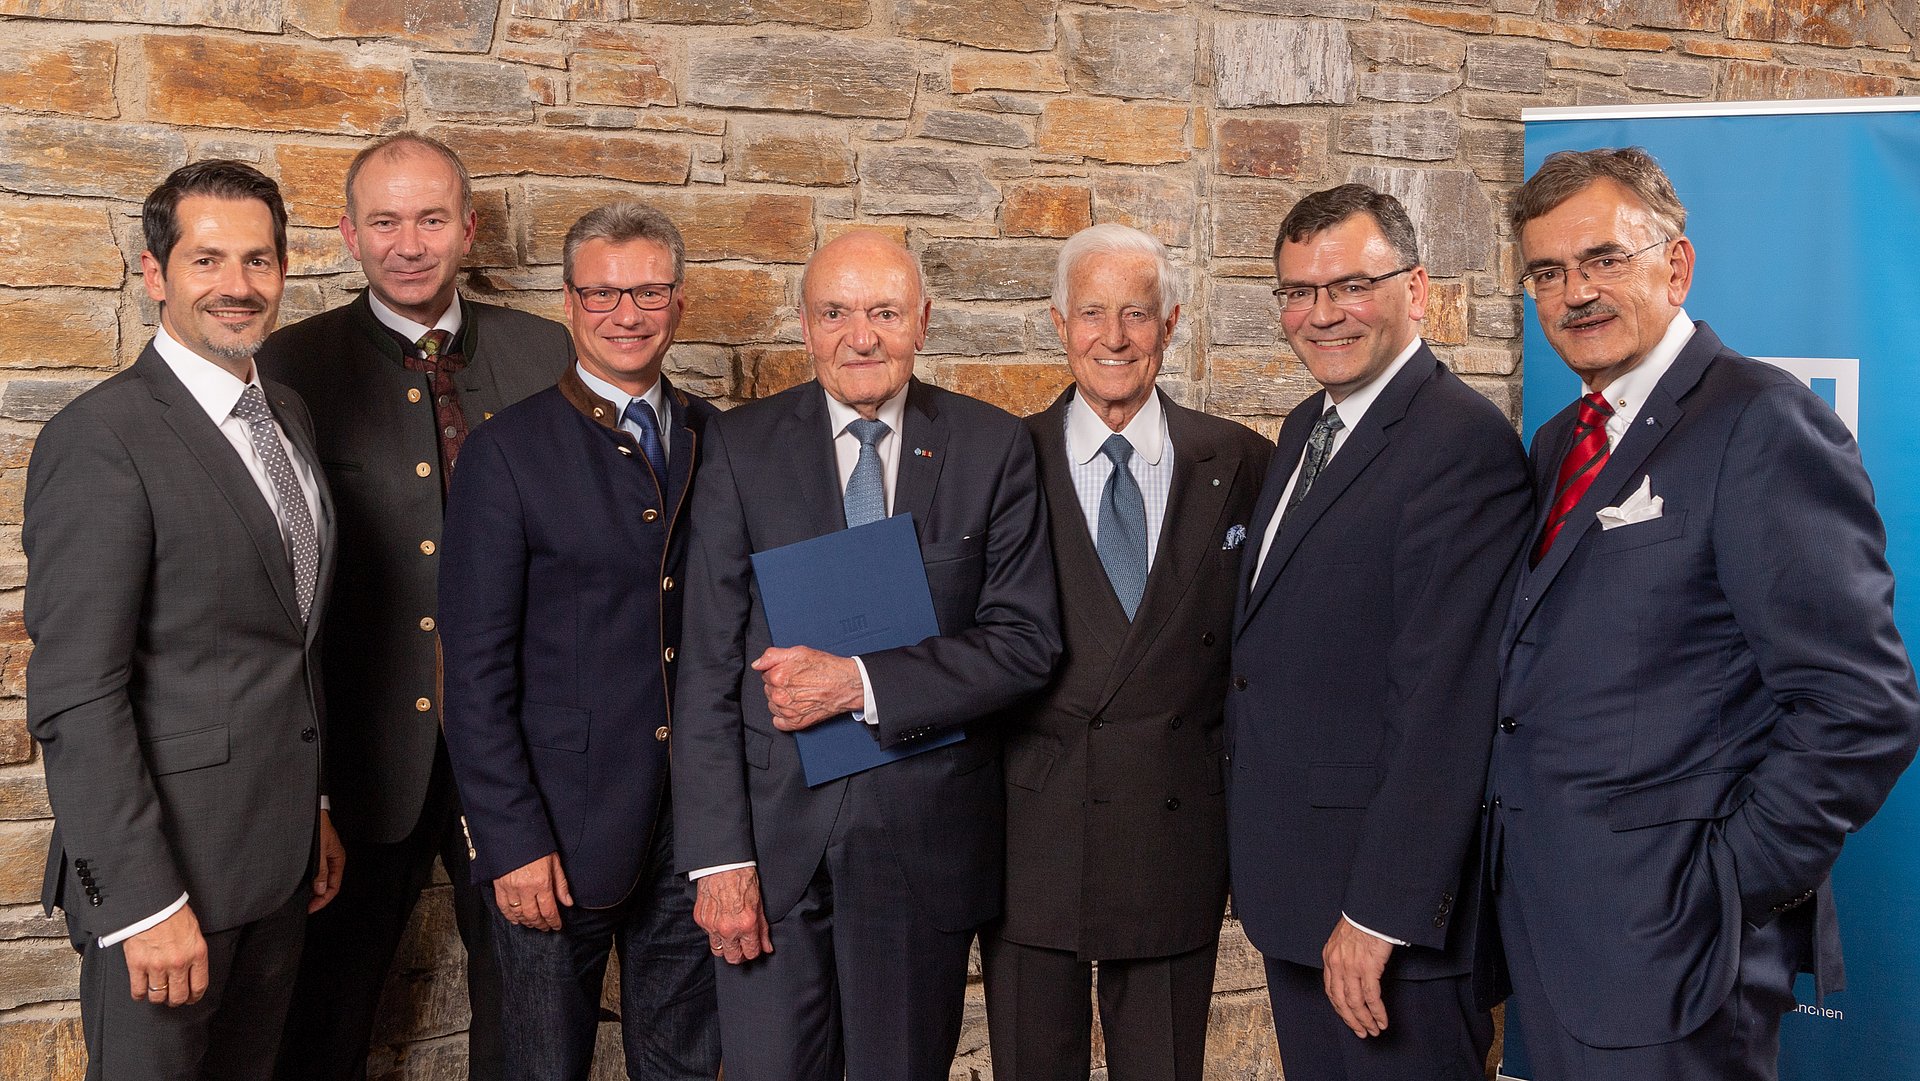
x=263, y=15
x=808, y=155
x=1275, y=62
x=46, y=328
x=313, y=181
x=1246, y=221
x=1512, y=68
x=1682, y=78
x=1046, y=208
x=39, y=399
x=1449, y=210
x=766, y=228
x=1411, y=46
x=835, y=76
x=973, y=71
x=68, y=157
x=959, y=330
x=463, y=26
x=732, y=306
x=1745, y=81
x=831, y=14
x=1162, y=204
x=23, y=860
x=1414, y=86
x=982, y=129
x=1128, y=133
x=505, y=151
x=972, y=270
x=1271, y=147
x=75, y=77
x=1130, y=54
x=629, y=77
x=43, y=1048
x=1018, y=25
x=43, y=242
x=1665, y=14
x=925, y=180
x=1417, y=135
x=1843, y=23
x=1022, y=389
x=474, y=90
x=227, y=83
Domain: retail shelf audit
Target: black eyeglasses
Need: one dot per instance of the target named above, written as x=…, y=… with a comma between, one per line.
x=600, y=299
x=1551, y=281
x=1345, y=293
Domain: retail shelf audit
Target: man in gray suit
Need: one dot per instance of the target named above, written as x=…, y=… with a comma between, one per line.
x=395, y=380
x=179, y=547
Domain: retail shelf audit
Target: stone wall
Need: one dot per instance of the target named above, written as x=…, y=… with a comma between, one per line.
x=979, y=131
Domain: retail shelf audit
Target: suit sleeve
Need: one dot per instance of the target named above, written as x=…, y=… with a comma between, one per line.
x=89, y=537
x=713, y=822
x=1009, y=650
x=1801, y=557
x=484, y=558
x=1458, y=536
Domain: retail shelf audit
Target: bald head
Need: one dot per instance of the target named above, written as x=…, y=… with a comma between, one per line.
x=863, y=316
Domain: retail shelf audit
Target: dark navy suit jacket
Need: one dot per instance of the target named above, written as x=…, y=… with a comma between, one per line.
x=1362, y=697
x=1697, y=708
x=560, y=622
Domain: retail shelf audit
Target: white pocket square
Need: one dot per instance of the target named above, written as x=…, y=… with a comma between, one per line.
x=1641, y=506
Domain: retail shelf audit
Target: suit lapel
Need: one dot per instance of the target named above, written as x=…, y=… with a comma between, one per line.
x=682, y=442
x=216, y=456
x=1650, y=427
x=1368, y=439
x=1288, y=447
x=1082, y=576
x=812, y=481
x=303, y=446
x=1191, y=529
x=479, y=390
x=923, y=446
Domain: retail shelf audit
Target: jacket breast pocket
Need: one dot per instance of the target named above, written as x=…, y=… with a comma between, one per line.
x=1640, y=534
x=1030, y=759
x=947, y=551
x=197, y=749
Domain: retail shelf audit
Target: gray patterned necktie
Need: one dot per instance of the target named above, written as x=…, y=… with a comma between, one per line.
x=1122, y=541
x=866, y=496
x=296, y=524
x=1319, y=450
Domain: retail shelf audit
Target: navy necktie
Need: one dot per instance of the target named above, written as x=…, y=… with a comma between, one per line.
x=866, y=497
x=640, y=415
x=1122, y=539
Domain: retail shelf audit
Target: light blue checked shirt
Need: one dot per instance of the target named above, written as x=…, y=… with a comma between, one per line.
x=1151, y=465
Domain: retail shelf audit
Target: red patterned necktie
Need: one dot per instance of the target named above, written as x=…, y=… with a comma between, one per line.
x=1583, y=462
x=450, y=422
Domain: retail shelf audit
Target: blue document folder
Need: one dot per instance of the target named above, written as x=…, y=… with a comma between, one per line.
x=856, y=591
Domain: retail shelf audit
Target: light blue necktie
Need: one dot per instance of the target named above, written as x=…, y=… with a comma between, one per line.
x=866, y=498
x=1123, y=527
x=640, y=415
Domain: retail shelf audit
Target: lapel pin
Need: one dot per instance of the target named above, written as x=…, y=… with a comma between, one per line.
x=922, y=452
x=1216, y=482
x=1649, y=422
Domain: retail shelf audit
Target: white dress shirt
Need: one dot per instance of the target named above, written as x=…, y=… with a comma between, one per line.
x=218, y=392
x=1628, y=394
x=1151, y=464
x=449, y=320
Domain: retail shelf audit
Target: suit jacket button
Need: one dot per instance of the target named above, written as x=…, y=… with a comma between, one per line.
x=426, y=547
x=1508, y=724
x=1239, y=683
x=82, y=864
x=308, y=735
x=1439, y=921
x=660, y=733
x=1175, y=722
x=413, y=394
x=649, y=515
x=1206, y=638
x=668, y=654
x=1099, y=723
x=666, y=584
x=426, y=623
x=1173, y=803
x=421, y=705
x=94, y=900
x=423, y=470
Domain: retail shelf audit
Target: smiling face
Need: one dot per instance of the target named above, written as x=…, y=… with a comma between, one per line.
x=219, y=292
x=408, y=229
x=863, y=318
x=1113, y=333
x=1603, y=331
x=1345, y=348
x=626, y=345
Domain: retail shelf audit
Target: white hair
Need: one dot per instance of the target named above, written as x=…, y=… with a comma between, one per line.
x=1109, y=238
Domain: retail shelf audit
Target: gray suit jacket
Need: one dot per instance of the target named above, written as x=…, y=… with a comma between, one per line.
x=380, y=656
x=172, y=678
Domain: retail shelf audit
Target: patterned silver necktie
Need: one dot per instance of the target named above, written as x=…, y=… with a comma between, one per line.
x=866, y=496
x=1319, y=450
x=296, y=521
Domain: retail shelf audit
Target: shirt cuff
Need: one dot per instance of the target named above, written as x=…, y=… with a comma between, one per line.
x=1368, y=930
x=695, y=876
x=871, y=713
x=152, y=921
x=326, y=804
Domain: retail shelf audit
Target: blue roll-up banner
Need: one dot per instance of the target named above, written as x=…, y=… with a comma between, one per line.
x=1806, y=220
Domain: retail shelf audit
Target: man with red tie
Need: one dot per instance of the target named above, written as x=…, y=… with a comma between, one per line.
x=1702, y=688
